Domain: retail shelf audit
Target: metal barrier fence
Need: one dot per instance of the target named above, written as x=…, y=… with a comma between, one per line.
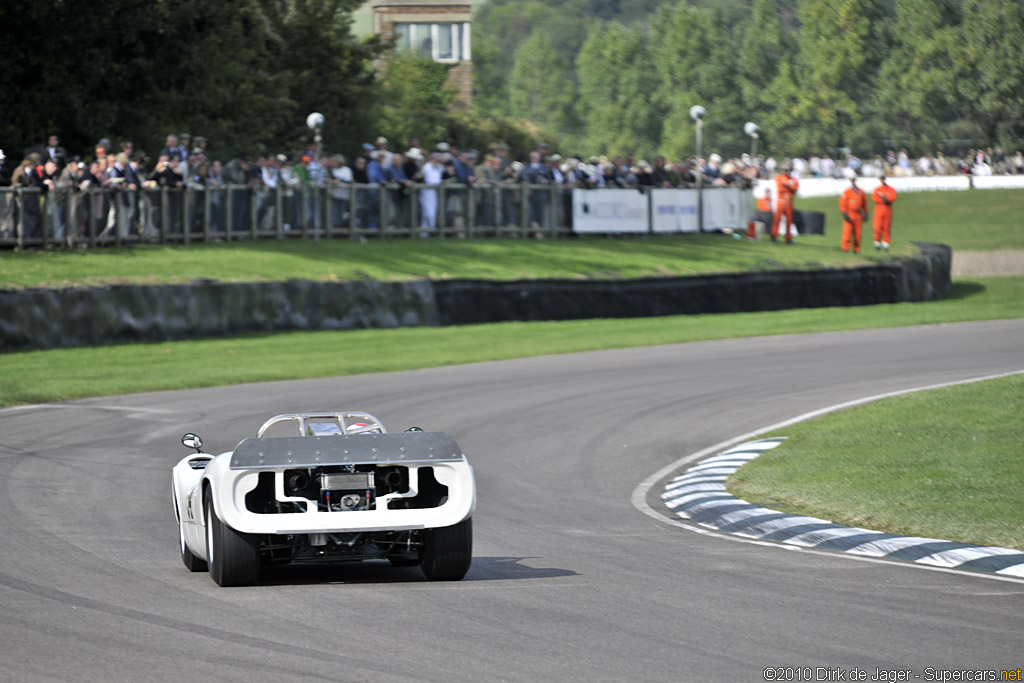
x=109, y=216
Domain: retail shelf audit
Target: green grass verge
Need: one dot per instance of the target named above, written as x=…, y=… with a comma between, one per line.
x=941, y=464
x=967, y=221
x=35, y=376
x=983, y=219
x=391, y=260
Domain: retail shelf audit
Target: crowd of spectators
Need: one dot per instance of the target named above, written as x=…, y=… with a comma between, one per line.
x=184, y=162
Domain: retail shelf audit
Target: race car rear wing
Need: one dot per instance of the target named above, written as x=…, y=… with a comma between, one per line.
x=401, y=448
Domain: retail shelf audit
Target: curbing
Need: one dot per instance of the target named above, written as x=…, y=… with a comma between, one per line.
x=699, y=495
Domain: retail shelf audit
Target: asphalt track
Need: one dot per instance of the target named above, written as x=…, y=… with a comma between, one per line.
x=570, y=581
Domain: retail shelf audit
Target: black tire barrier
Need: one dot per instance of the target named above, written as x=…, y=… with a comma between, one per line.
x=806, y=222
x=50, y=318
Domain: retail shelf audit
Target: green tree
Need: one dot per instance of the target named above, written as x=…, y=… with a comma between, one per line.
x=618, y=91
x=695, y=58
x=240, y=72
x=915, y=94
x=323, y=68
x=816, y=100
x=211, y=77
x=764, y=45
x=47, y=90
x=414, y=99
x=542, y=87
x=499, y=29
x=993, y=57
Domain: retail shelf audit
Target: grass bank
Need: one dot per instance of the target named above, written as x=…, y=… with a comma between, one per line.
x=941, y=464
x=36, y=376
x=981, y=219
x=392, y=260
x=967, y=221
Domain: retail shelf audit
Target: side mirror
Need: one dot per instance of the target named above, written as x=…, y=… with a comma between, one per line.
x=191, y=440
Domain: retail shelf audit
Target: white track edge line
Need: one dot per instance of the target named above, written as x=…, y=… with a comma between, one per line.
x=639, y=495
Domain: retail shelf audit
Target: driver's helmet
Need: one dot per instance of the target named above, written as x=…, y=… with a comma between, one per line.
x=356, y=426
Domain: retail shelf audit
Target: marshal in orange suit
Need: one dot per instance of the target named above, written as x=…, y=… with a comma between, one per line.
x=884, y=197
x=785, y=190
x=854, y=206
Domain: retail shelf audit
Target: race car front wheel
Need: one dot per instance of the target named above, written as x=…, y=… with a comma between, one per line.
x=234, y=557
x=448, y=551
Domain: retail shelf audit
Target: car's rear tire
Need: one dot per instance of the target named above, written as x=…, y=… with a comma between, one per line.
x=234, y=557
x=448, y=551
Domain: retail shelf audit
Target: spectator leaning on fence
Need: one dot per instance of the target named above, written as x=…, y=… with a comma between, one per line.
x=432, y=174
x=6, y=200
x=5, y=173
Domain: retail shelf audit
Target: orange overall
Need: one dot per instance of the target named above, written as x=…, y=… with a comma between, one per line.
x=786, y=187
x=854, y=206
x=884, y=197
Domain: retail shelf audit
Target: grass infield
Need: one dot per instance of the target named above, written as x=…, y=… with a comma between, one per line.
x=941, y=464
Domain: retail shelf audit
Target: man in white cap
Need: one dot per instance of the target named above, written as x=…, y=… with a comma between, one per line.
x=713, y=168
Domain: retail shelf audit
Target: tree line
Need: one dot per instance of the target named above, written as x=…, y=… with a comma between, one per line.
x=244, y=74
x=816, y=75
x=588, y=76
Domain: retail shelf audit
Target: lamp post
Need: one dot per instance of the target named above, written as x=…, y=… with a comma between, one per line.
x=754, y=131
x=315, y=122
x=697, y=114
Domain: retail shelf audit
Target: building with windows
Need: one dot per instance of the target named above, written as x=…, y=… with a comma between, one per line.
x=438, y=29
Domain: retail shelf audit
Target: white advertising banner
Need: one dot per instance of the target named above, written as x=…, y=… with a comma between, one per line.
x=994, y=182
x=626, y=211
x=607, y=210
x=676, y=210
x=727, y=207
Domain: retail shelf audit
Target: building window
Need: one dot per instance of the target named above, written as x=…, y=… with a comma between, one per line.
x=442, y=42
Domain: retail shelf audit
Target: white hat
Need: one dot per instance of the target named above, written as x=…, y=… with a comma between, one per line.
x=849, y=173
x=2, y=155
x=715, y=159
x=414, y=153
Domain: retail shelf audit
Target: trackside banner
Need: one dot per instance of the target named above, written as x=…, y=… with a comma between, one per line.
x=659, y=210
x=618, y=210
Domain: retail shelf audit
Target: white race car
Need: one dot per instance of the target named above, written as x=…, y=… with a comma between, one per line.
x=342, y=489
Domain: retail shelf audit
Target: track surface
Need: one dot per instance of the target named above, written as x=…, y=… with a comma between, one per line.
x=569, y=581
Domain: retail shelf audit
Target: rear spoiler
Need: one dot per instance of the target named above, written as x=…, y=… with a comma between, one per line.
x=359, y=449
